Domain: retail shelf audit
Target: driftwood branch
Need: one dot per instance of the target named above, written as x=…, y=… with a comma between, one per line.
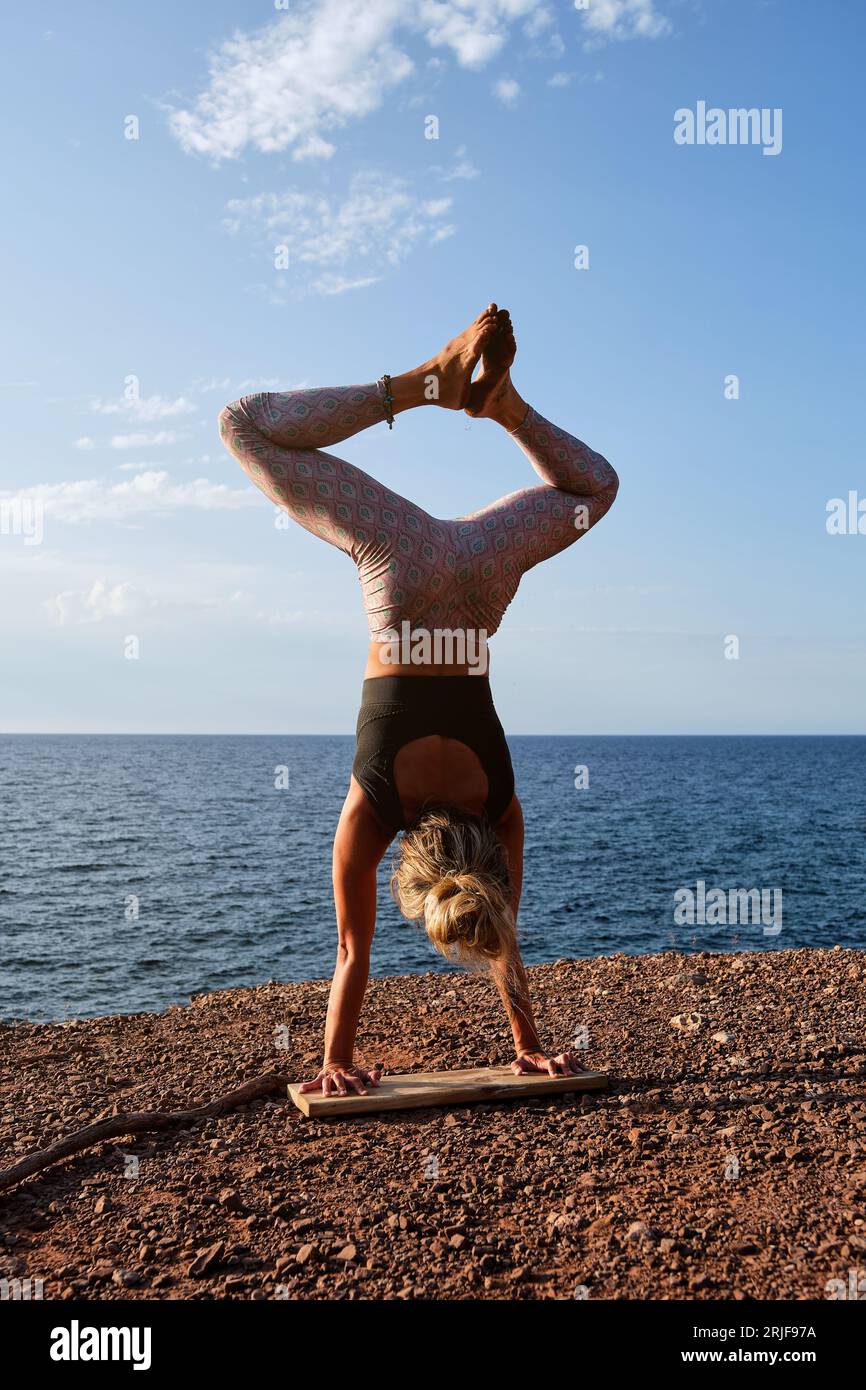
x=140, y=1122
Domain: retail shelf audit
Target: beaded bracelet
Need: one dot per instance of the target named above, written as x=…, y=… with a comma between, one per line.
x=388, y=400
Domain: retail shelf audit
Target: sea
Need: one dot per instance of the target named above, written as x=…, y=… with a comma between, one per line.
x=136, y=870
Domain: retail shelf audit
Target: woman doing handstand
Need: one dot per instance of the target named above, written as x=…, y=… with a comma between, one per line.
x=431, y=760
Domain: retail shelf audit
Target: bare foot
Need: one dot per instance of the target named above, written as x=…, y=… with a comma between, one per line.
x=450, y=371
x=493, y=383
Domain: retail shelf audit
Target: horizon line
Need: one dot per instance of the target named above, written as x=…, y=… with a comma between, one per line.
x=181, y=733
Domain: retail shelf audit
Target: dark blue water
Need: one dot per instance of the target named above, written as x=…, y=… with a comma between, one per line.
x=232, y=876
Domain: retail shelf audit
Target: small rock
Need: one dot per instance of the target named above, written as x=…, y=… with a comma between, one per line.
x=688, y=1023
x=206, y=1260
x=230, y=1199
x=722, y=1037
x=348, y=1252
x=689, y=977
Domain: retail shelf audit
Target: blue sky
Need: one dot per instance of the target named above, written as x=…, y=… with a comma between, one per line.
x=154, y=259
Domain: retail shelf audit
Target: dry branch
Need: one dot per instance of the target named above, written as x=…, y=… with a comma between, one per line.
x=140, y=1122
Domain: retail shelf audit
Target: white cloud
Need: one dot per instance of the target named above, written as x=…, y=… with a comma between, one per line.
x=314, y=147
x=173, y=600
x=623, y=19
x=223, y=384
x=143, y=441
x=463, y=169
x=215, y=383
x=474, y=30
x=298, y=79
x=151, y=492
x=507, y=90
x=555, y=45
x=539, y=20
x=85, y=442
x=339, y=245
x=267, y=383
x=309, y=71
x=338, y=284
x=93, y=605
x=145, y=408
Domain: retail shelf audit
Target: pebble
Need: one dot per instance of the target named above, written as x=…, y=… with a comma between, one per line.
x=688, y=1023
x=206, y=1260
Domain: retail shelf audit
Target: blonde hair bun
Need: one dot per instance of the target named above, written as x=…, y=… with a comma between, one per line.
x=451, y=872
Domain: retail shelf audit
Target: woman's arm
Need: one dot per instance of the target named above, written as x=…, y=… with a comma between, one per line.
x=510, y=973
x=359, y=845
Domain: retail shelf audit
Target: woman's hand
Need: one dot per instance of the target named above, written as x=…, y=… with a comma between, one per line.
x=339, y=1078
x=565, y=1064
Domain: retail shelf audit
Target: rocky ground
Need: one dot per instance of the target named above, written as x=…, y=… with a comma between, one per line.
x=727, y=1159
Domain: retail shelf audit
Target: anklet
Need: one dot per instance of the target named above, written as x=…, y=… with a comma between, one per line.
x=388, y=400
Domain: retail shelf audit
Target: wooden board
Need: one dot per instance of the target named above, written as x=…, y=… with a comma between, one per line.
x=413, y=1090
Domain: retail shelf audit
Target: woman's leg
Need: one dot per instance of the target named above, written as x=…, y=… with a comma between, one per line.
x=510, y=536
x=401, y=552
x=394, y=544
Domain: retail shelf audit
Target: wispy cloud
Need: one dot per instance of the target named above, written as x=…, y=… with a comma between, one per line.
x=145, y=408
x=293, y=83
x=507, y=91
x=93, y=605
x=175, y=599
x=102, y=600
x=204, y=385
x=150, y=492
x=474, y=30
x=607, y=20
x=290, y=83
x=462, y=169
x=338, y=245
x=143, y=441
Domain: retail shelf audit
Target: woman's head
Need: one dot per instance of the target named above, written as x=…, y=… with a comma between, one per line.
x=451, y=871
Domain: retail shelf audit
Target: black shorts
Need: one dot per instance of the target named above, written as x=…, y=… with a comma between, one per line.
x=395, y=710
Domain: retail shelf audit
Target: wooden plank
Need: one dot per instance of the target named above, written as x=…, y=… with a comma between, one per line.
x=413, y=1090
